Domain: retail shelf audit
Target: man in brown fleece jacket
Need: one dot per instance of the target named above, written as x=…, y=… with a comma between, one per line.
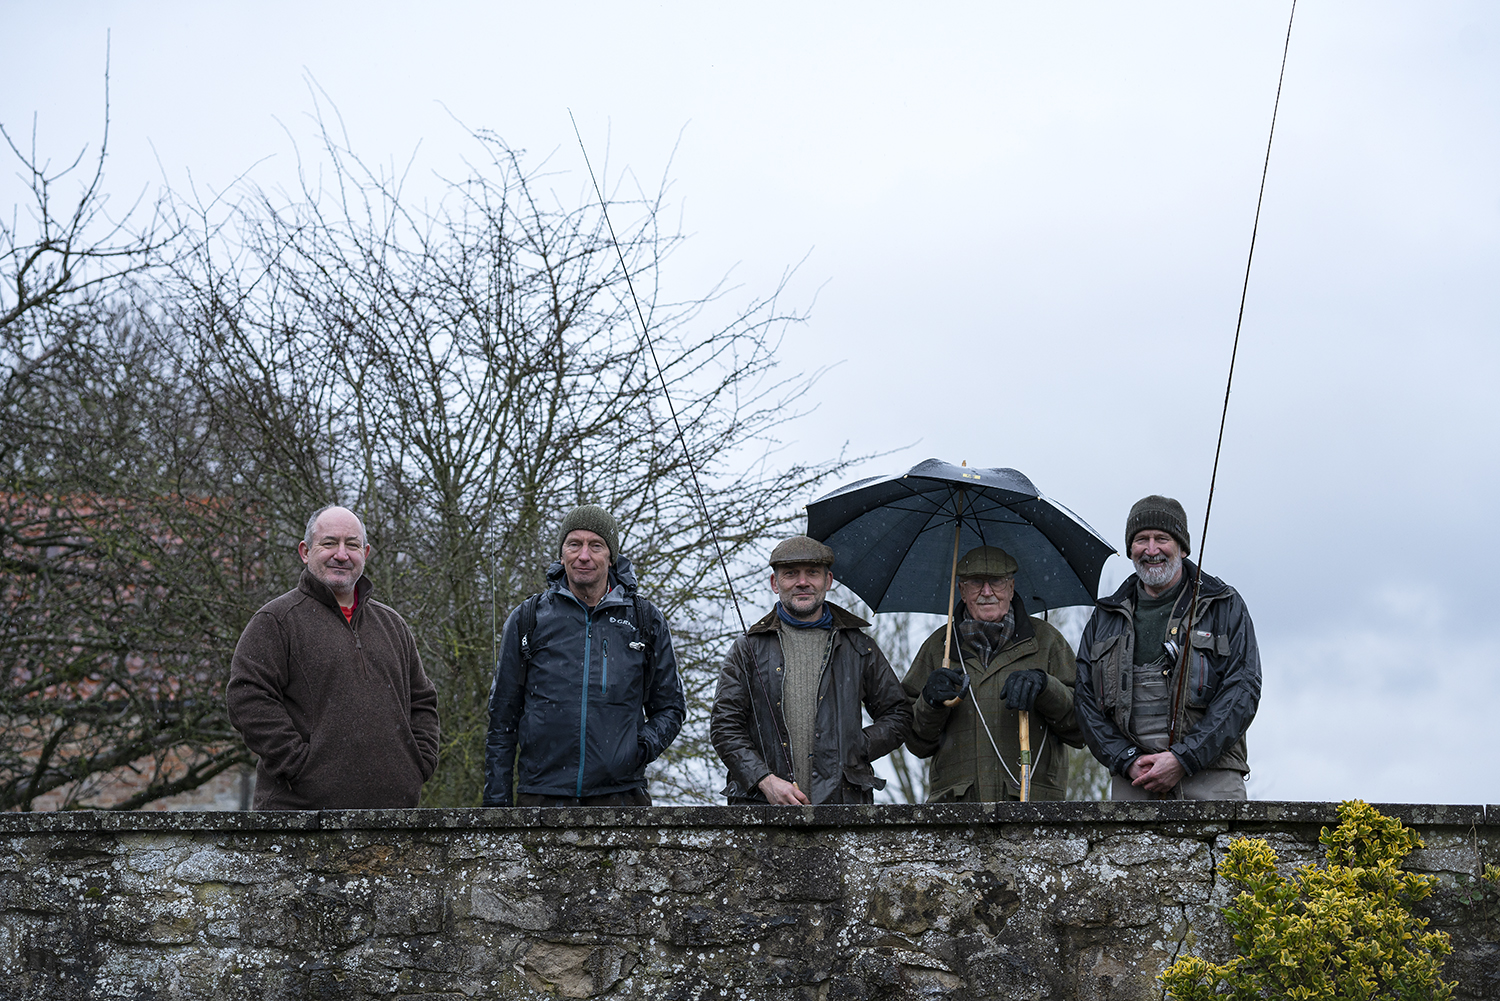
x=327, y=688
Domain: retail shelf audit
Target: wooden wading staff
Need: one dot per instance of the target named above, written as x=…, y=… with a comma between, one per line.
x=1025, y=755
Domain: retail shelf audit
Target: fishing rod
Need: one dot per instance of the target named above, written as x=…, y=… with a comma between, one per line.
x=651, y=347
x=1179, y=695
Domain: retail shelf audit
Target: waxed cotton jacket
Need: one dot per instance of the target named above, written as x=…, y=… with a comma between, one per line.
x=1223, y=683
x=589, y=712
x=964, y=767
x=749, y=731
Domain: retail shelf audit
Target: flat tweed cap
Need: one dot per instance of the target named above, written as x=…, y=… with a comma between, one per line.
x=1163, y=514
x=801, y=549
x=987, y=561
x=591, y=518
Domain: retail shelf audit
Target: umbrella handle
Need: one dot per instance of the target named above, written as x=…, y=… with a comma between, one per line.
x=958, y=527
x=1025, y=755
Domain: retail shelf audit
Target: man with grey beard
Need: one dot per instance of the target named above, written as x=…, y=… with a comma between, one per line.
x=1168, y=670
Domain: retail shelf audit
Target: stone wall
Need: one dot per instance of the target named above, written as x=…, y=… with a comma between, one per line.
x=1067, y=900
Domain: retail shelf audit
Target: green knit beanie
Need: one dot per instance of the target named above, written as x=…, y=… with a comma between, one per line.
x=1161, y=513
x=592, y=518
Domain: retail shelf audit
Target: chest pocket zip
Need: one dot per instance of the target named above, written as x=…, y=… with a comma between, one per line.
x=1204, y=643
x=604, y=671
x=583, y=707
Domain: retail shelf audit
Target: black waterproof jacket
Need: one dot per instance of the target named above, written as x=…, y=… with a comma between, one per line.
x=589, y=712
x=749, y=731
x=1223, y=684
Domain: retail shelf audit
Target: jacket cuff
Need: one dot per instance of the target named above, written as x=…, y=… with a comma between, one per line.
x=1055, y=699
x=1184, y=757
x=928, y=719
x=1122, y=763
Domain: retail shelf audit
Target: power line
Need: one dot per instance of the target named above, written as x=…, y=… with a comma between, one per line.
x=646, y=336
x=1180, y=695
x=1245, y=288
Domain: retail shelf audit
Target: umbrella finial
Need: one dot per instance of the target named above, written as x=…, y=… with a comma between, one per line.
x=965, y=462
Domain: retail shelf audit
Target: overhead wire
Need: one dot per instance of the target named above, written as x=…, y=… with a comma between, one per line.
x=661, y=375
x=1185, y=652
x=1245, y=287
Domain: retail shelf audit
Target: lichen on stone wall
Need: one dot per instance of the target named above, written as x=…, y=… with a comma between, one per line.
x=1068, y=900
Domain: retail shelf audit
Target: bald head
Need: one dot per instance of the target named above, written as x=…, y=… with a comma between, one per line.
x=312, y=523
x=334, y=550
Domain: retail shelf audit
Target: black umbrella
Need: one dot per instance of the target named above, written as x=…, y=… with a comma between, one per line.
x=894, y=537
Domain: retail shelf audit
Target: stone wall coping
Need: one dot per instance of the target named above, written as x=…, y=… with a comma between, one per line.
x=1246, y=816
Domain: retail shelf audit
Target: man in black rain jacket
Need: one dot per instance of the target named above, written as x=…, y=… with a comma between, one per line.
x=1166, y=691
x=586, y=688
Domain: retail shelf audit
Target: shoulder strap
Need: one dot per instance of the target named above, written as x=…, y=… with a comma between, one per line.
x=645, y=625
x=527, y=624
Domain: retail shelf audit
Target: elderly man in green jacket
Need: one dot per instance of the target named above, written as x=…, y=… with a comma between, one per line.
x=1002, y=662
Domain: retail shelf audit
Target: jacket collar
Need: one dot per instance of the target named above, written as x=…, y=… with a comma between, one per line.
x=842, y=619
x=1212, y=587
x=1023, y=631
x=310, y=585
x=621, y=581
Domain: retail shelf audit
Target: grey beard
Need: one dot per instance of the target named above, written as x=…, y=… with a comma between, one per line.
x=1158, y=575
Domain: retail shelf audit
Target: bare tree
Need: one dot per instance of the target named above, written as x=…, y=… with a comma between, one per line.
x=63, y=251
x=179, y=396
x=126, y=561
x=110, y=660
x=463, y=372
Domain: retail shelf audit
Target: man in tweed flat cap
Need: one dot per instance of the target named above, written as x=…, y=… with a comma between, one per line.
x=786, y=717
x=1168, y=685
x=1004, y=662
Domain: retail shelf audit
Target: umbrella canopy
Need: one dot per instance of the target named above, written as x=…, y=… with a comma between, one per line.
x=893, y=537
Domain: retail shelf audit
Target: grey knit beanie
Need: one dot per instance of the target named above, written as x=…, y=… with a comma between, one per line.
x=592, y=518
x=1162, y=513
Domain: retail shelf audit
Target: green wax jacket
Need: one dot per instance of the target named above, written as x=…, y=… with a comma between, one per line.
x=964, y=767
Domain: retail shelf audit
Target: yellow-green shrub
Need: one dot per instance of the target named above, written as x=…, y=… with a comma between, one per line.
x=1341, y=930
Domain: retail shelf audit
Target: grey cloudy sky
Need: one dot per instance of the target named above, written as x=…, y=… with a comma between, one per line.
x=1025, y=227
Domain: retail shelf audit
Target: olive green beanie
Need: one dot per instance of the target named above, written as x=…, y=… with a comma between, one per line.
x=1161, y=513
x=592, y=518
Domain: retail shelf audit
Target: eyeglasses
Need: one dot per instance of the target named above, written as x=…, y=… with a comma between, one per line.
x=995, y=584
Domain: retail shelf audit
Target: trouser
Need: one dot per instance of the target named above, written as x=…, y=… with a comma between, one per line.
x=1210, y=783
x=630, y=797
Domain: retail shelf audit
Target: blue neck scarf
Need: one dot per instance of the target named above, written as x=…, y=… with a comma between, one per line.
x=824, y=621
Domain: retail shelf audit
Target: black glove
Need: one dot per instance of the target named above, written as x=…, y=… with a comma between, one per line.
x=943, y=685
x=1022, y=688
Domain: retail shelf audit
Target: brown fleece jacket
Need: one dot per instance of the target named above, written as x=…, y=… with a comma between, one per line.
x=340, y=713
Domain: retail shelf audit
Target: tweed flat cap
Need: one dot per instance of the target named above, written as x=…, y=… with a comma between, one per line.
x=987, y=561
x=801, y=549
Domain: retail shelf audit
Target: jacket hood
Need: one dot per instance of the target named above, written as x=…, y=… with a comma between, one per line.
x=842, y=619
x=621, y=574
